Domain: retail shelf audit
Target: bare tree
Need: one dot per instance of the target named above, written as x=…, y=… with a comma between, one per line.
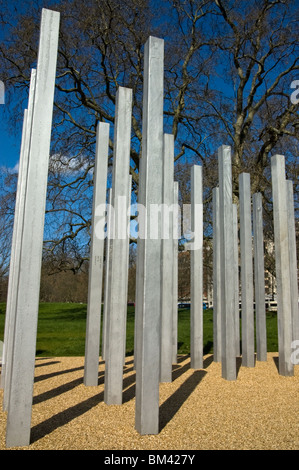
x=260, y=40
x=228, y=69
x=8, y=182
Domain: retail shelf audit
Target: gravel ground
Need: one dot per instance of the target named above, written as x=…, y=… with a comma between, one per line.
x=198, y=410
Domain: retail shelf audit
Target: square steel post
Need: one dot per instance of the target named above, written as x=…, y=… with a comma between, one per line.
x=14, y=261
x=128, y=257
x=259, y=278
x=20, y=401
x=282, y=263
x=108, y=250
x=167, y=261
x=236, y=278
x=14, y=267
x=293, y=261
x=175, y=275
x=149, y=250
x=117, y=295
x=94, y=303
x=216, y=278
x=248, y=359
x=196, y=333
x=229, y=369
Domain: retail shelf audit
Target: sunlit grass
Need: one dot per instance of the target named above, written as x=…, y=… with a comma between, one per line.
x=61, y=330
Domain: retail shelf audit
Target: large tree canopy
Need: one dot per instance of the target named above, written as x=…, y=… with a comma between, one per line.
x=229, y=66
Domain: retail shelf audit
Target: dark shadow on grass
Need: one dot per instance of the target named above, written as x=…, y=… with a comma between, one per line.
x=130, y=353
x=172, y=405
x=208, y=347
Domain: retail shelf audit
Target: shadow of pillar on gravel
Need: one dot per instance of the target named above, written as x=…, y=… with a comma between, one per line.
x=64, y=417
x=171, y=406
x=167, y=410
x=276, y=362
x=66, y=387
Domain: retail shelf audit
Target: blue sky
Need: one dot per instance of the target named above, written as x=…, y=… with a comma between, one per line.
x=10, y=144
x=10, y=141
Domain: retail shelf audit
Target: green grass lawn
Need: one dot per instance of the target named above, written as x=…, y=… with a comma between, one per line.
x=61, y=330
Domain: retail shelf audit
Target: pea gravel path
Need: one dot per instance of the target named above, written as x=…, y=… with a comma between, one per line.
x=198, y=410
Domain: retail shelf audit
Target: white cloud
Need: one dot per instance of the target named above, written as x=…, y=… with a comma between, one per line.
x=7, y=169
x=58, y=163
x=15, y=169
x=68, y=165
